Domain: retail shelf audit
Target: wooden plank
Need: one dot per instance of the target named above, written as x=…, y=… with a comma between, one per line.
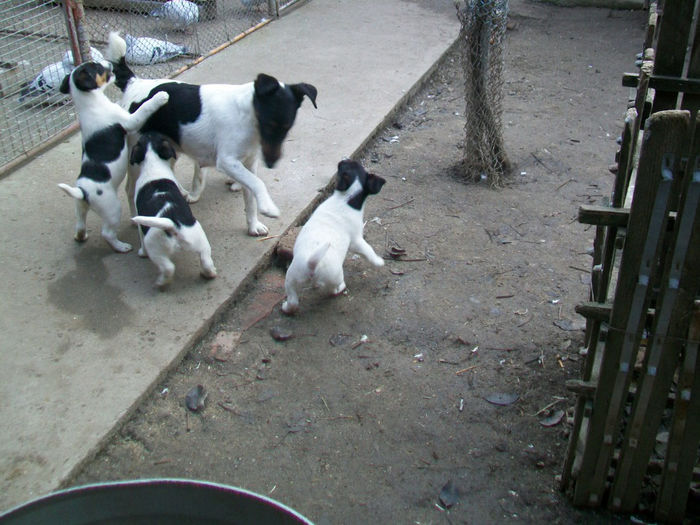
x=690, y=100
x=674, y=31
x=663, y=139
x=681, y=280
x=684, y=436
x=594, y=310
x=664, y=83
x=603, y=215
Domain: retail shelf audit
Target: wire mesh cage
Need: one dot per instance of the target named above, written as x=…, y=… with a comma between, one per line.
x=483, y=30
x=40, y=38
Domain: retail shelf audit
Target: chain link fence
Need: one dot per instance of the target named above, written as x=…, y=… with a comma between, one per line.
x=40, y=38
x=482, y=36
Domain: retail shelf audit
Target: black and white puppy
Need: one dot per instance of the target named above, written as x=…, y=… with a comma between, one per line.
x=165, y=219
x=220, y=125
x=104, y=126
x=334, y=228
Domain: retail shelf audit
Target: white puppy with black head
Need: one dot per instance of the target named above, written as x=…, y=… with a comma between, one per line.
x=226, y=126
x=165, y=219
x=334, y=228
x=104, y=126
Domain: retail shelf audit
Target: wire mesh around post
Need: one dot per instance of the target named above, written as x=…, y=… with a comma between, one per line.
x=483, y=37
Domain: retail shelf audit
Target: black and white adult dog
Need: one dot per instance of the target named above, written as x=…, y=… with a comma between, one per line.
x=333, y=228
x=165, y=220
x=219, y=125
x=104, y=126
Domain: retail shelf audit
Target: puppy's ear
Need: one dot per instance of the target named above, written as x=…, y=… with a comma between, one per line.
x=165, y=149
x=138, y=153
x=65, y=87
x=266, y=85
x=302, y=89
x=374, y=183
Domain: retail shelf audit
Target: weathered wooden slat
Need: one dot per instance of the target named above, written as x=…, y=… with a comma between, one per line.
x=690, y=100
x=684, y=436
x=680, y=283
x=672, y=42
x=596, y=311
x=663, y=140
x=664, y=83
x=603, y=215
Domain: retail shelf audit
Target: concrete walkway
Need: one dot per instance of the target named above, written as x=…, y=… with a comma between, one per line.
x=84, y=333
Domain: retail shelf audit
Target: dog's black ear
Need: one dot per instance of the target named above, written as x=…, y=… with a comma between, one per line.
x=138, y=152
x=165, y=149
x=65, y=87
x=374, y=183
x=266, y=85
x=302, y=89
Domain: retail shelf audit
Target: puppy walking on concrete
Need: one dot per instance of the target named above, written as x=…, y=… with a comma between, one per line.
x=165, y=219
x=334, y=228
x=104, y=126
x=221, y=125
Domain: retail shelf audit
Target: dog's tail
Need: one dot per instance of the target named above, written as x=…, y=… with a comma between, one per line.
x=116, y=54
x=162, y=223
x=317, y=256
x=74, y=191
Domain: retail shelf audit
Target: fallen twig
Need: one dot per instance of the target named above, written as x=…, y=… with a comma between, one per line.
x=545, y=408
x=409, y=201
x=267, y=238
x=464, y=370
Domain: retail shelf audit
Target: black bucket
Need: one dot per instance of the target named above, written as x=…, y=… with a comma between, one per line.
x=156, y=501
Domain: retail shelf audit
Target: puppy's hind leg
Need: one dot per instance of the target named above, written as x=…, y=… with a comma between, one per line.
x=159, y=253
x=198, y=183
x=197, y=241
x=111, y=212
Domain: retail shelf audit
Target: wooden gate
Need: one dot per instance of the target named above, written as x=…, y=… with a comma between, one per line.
x=641, y=375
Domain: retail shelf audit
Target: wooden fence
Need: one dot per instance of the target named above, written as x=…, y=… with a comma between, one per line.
x=640, y=381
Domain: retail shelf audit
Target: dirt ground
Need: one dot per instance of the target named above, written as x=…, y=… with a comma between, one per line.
x=380, y=396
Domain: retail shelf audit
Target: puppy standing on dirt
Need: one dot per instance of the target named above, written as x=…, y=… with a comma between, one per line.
x=334, y=228
x=219, y=125
x=165, y=220
x=104, y=126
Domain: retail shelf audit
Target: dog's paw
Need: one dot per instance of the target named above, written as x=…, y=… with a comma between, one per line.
x=161, y=98
x=208, y=273
x=142, y=252
x=377, y=261
x=289, y=308
x=235, y=186
x=268, y=208
x=257, y=229
x=119, y=246
x=81, y=236
x=191, y=196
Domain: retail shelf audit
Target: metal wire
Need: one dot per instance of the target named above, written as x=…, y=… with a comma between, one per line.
x=36, y=43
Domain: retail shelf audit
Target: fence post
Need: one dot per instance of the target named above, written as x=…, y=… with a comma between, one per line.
x=72, y=32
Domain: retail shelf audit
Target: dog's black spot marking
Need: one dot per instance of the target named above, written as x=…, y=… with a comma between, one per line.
x=99, y=192
x=275, y=109
x=184, y=107
x=96, y=171
x=106, y=145
x=122, y=73
x=348, y=172
x=162, y=198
